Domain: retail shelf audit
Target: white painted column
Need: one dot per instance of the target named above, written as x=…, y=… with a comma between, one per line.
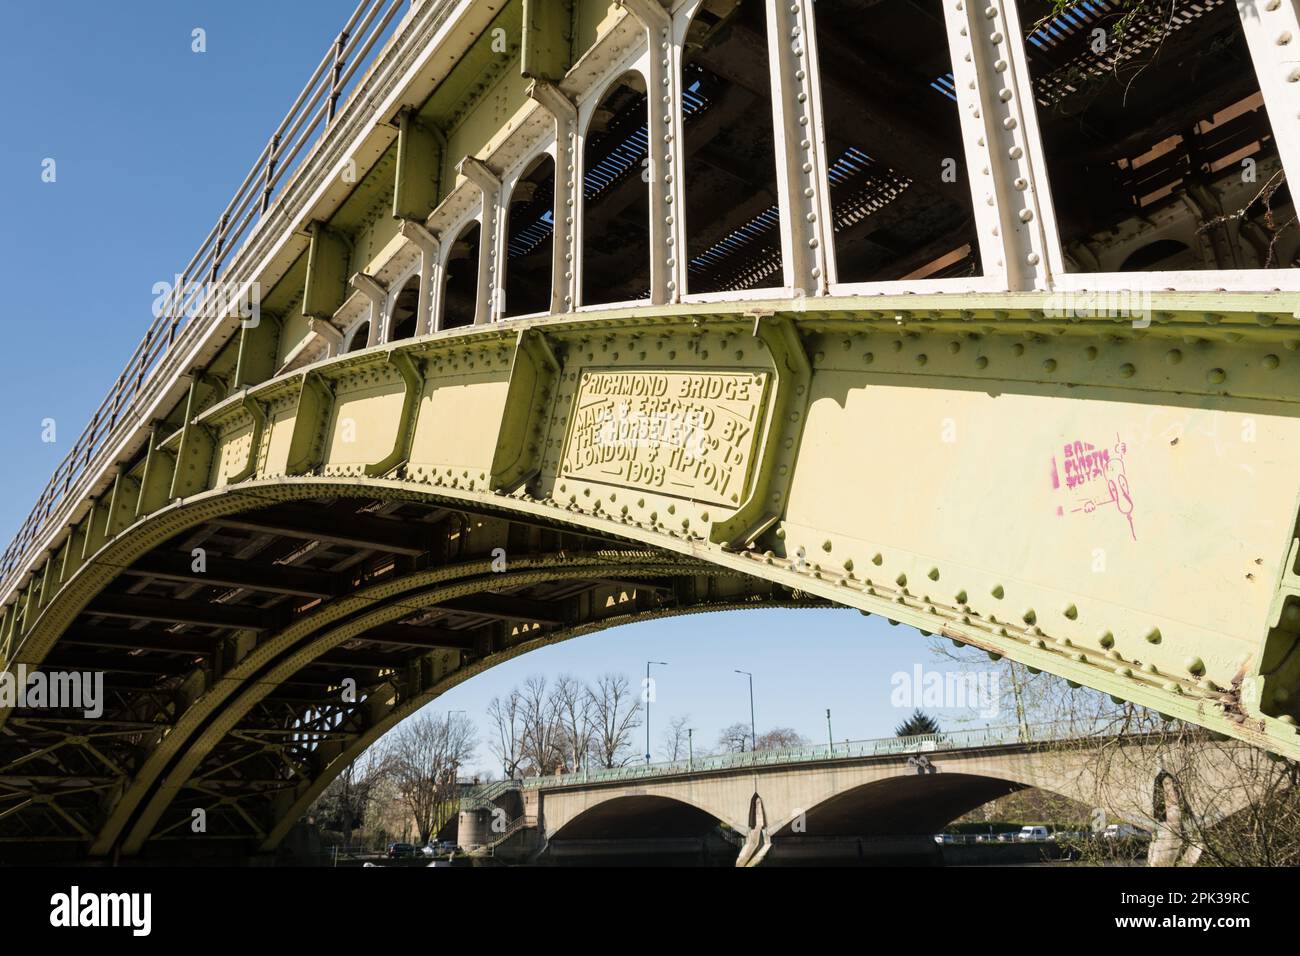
x=487, y=307
x=332, y=336
x=1018, y=240
x=428, y=245
x=564, y=247
x=377, y=295
x=1272, y=29
x=807, y=223
x=663, y=111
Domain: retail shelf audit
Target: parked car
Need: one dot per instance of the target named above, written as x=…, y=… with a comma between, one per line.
x=1124, y=831
x=398, y=851
x=1008, y=836
x=1030, y=834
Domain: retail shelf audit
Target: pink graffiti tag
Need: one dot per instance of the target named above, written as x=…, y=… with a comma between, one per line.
x=1086, y=469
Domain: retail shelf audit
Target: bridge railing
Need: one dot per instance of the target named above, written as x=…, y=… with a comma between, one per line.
x=846, y=750
x=483, y=798
x=195, y=292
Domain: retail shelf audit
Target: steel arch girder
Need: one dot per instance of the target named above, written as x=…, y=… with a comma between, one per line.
x=1134, y=528
x=403, y=709
x=303, y=642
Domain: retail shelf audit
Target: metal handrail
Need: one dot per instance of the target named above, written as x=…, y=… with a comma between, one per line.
x=193, y=292
x=847, y=750
x=513, y=827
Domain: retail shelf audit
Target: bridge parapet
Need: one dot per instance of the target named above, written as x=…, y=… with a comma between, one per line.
x=848, y=750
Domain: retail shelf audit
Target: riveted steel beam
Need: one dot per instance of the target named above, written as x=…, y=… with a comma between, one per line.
x=139, y=607
x=783, y=424
x=327, y=271
x=257, y=412
x=547, y=39
x=376, y=295
x=1272, y=29
x=194, y=450
x=222, y=572
x=491, y=247
x=259, y=337
x=430, y=274
x=564, y=285
x=156, y=481
x=419, y=163
x=807, y=243
x=1015, y=222
x=122, y=504
x=666, y=169
x=357, y=531
x=310, y=420
x=532, y=382
x=412, y=387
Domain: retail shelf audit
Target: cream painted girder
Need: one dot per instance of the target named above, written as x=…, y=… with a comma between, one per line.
x=901, y=456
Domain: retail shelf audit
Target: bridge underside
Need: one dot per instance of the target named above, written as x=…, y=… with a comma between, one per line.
x=912, y=804
x=250, y=656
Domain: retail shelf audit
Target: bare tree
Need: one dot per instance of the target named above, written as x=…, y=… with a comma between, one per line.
x=781, y=738
x=349, y=800
x=1213, y=801
x=576, y=715
x=542, y=735
x=735, y=739
x=507, y=743
x=616, y=713
x=426, y=752
x=676, y=738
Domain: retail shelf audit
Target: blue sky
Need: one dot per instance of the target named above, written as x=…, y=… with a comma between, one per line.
x=150, y=139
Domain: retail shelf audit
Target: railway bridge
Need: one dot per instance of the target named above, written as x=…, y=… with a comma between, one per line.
x=536, y=317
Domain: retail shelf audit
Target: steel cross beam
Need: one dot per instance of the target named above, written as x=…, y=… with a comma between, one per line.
x=1015, y=221
x=1272, y=29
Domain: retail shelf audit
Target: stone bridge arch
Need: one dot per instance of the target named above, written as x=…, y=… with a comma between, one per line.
x=634, y=815
x=905, y=795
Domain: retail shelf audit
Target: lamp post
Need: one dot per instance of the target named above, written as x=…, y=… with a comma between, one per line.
x=690, y=748
x=830, y=738
x=647, y=694
x=753, y=728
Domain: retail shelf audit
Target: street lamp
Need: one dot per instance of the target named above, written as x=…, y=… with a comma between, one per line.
x=648, y=694
x=753, y=728
x=830, y=738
